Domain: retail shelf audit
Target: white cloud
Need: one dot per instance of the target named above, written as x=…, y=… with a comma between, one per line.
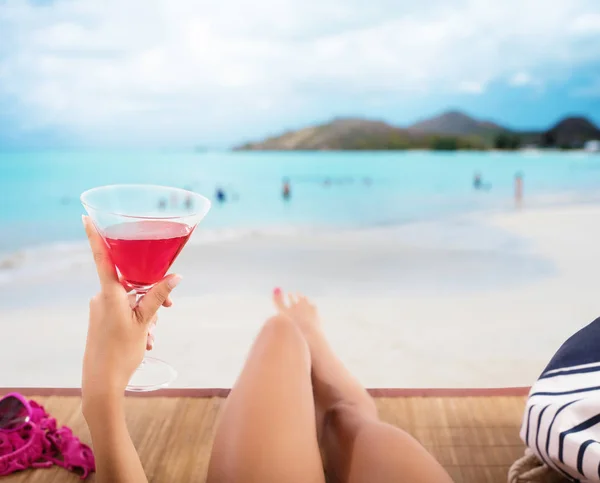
x=171, y=70
x=524, y=79
x=587, y=24
x=471, y=87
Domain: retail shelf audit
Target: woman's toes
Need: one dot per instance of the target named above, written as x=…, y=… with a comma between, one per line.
x=278, y=300
x=292, y=299
x=302, y=299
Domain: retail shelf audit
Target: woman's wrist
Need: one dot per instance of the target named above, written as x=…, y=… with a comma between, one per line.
x=101, y=408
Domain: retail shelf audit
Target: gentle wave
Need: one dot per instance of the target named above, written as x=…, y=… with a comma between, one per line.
x=63, y=256
x=42, y=260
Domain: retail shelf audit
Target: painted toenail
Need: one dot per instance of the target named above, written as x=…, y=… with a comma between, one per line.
x=277, y=291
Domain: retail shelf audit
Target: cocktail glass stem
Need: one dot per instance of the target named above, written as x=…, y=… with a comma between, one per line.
x=152, y=373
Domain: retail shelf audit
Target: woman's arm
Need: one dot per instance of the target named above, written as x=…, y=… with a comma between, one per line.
x=117, y=460
x=118, y=336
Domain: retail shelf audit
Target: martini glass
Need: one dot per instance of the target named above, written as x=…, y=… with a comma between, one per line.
x=145, y=227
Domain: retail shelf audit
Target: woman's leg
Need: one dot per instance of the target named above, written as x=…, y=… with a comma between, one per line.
x=267, y=430
x=357, y=447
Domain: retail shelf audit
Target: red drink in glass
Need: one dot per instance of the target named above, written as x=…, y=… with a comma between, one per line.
x=143, y=251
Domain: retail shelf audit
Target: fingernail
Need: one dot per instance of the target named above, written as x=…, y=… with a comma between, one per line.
x=277, y=291
x=174, y=281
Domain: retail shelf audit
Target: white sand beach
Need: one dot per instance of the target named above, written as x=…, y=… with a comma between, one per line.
x=476, y=301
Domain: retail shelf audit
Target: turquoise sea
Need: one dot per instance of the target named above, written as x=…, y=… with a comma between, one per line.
x=39, y=191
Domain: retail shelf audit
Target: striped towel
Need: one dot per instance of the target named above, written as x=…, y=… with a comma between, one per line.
x=561, y=424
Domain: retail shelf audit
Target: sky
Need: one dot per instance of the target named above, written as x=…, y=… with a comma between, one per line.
x=181, y=73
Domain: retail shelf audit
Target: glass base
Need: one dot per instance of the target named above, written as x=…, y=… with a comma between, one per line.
x=153, y=374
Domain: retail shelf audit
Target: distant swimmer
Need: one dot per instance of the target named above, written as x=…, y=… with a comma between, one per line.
x=162, y=204
x=189, y=202
x=478, y=183
x=220, y=195
x=519, y=188
x=286, y=189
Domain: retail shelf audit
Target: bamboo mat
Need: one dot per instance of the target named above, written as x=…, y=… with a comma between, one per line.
x=475, y=438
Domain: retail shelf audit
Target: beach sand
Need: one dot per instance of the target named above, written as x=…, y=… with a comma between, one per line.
x=475, y=301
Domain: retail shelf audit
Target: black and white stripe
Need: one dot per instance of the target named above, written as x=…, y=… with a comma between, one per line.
x=562, y=418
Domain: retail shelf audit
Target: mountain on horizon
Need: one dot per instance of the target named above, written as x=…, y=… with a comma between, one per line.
x=447, y=131
x=571, y=132
x=340, y=133
x=455, y=123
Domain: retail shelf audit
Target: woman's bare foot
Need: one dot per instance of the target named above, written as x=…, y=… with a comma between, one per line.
x=301, y=311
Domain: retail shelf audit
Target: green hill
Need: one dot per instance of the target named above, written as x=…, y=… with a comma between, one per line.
x=449, y=131
x=360, y=134
x=456, y=123
x=570, y=133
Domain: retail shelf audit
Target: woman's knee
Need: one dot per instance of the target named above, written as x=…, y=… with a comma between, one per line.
x=280, y=331
x=282, y=328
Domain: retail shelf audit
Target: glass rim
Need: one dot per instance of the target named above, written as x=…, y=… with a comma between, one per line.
x=192, y=214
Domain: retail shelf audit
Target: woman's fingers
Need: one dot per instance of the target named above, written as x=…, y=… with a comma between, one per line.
x=156, y=297
x=132, y=300
x=150, y=338
x=104, y=265
x=150, y=343
x=167, y=303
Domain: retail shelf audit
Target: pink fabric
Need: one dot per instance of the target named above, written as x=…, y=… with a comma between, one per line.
x=40, y=444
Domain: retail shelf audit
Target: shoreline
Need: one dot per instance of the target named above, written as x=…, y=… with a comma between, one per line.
x=418, y=252
x=21, y=263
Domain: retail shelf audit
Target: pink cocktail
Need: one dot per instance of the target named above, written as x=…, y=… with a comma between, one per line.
x=144, y=250
x=145, y=228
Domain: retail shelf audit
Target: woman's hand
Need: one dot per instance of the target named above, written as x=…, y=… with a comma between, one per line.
x=118, y=328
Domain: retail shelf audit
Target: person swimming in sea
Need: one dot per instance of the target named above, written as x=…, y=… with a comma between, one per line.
x=478, y=183
x=220, y=195
x=518, y=188
x=286, y=191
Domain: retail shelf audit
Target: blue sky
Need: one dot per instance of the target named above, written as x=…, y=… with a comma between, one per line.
x=177, y=73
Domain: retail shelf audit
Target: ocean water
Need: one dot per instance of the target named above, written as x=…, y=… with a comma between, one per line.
x=39, y=191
